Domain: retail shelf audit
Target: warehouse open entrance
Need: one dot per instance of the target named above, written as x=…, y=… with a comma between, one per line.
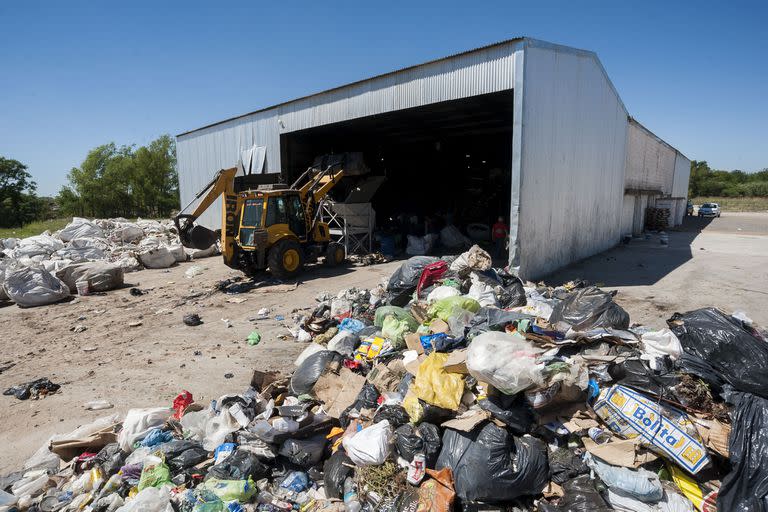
x=448, y=162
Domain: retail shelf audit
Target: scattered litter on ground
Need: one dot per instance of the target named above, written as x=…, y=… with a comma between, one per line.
x=35, y=389
x=192, y=319
x=455, y=386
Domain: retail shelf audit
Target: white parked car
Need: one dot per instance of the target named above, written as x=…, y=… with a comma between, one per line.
x=709, y=210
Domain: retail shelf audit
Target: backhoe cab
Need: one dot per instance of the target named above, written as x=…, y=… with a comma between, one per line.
x=270, y=226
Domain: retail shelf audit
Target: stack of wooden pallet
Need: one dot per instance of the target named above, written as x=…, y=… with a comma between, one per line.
x=657, y=219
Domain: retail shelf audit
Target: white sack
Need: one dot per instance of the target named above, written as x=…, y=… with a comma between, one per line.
x=80, y=228
x=29, y=287
x=451, y=237
x=505, y=361
x=101, y=276
x=178, y=252
x=370, y=446
x=138, y=423
x=149, y=499
x=159, y=257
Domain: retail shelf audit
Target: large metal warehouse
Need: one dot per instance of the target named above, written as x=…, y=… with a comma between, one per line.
x=529, y=130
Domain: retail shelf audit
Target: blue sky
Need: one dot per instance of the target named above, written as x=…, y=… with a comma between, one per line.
x=74, y=75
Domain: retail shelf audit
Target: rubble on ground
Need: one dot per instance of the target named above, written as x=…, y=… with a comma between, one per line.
x=454, y=386
x=86, y=257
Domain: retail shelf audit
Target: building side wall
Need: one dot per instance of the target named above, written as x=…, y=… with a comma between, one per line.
x=573, y=160
x=201, y=153
x=682, y=176
x=650, y=162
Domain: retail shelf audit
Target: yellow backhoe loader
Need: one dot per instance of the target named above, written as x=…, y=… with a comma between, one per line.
x=270, y=226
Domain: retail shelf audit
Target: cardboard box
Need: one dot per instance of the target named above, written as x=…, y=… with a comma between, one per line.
x=413, y=342
x=667, y=430
x=457, y=362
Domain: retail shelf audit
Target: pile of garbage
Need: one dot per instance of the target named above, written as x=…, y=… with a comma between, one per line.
x=86, y=257
x=453, y=387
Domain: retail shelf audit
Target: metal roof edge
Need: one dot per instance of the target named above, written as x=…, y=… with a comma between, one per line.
x=400, y=70
x=670, y=146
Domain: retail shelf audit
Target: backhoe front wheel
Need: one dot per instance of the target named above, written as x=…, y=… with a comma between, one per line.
x=286, y=259
x=334, y=254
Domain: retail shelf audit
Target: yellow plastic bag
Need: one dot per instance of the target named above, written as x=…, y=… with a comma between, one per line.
x=436, y=386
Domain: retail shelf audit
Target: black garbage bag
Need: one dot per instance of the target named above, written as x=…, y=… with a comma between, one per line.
x=239, y=466
x=565, y=464
x=434, y=413
x=336, y=469
x=491, y=465
x=367, y=398
x=737, y=355
x=306, y=375
x=304, y=452
x=514, y=411
x=403, y=281
x=432, y=442
x=110, y=458
x=745, y=487
x=493, y=319
x=407, y=442
x=188, y=458
x=396, y=415
x=33, y=389
x=588, y=308
x=580, y=496
x=636, y=374
x=512, y=293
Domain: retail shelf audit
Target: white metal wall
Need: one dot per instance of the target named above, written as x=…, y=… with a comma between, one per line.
x=682, y=175
x=201, y=153
x=650, y=161
x=574, y=132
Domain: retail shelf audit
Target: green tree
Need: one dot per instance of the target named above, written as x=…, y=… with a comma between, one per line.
x=124, y=181
x=18, y=202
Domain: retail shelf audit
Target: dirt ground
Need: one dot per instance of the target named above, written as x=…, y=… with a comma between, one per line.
x=719, y=262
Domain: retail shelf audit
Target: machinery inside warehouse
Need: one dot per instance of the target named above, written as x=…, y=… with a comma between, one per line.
x=444, y=164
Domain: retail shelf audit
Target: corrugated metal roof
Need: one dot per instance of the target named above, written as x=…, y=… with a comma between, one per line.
x=401, y=70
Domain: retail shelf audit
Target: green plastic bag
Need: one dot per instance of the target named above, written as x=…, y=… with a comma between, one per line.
x=208, y=502
x=443, y=308
x=155, y=475
x=254, y=338
x=230, y=490
x=399, y=313
x=395, y=330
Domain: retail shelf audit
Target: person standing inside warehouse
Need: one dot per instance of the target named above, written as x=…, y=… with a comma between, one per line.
x=499, y=236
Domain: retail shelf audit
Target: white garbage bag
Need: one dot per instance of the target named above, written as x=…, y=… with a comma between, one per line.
x=138, y=423
x=178, y=252
x=128, y=263
x=344, y=342
x=657, y=344
x=159, y=257
x=483, y=293
x=442, y=292
x=505, y=361
x=101, y=276
x=82, y=249
x=3, y=266
x=80, y=228
x=149, y=499
x=196, y=254
x=127, y=232
x=42, y=245
x=29, y=286
x=312, y=348
x=475, y=258
x=451, y=237
x=370, y=446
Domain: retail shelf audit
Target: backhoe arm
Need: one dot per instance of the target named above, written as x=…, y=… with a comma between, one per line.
x=199, y=237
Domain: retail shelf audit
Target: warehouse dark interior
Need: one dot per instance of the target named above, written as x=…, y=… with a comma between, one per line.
x=449, y=161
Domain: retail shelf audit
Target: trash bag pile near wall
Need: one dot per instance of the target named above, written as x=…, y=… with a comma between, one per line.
x=552, y=404
x=96, y=252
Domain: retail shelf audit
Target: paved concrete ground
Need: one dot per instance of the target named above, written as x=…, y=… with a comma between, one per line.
x=719, y=262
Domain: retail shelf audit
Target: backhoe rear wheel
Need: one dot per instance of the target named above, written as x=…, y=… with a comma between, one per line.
x=334, y=254
x=286, y=259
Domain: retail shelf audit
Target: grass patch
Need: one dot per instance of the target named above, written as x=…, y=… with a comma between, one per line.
x=35, y=228
x=736, y=204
